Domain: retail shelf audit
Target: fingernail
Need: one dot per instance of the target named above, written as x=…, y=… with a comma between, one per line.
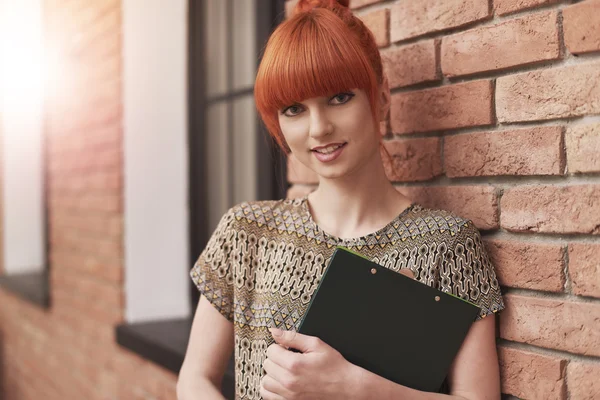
x=276, y=332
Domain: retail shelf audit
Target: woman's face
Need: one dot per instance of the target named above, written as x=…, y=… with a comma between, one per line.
x=344, y=118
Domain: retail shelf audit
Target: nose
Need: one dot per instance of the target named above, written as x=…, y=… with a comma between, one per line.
x=320, y=125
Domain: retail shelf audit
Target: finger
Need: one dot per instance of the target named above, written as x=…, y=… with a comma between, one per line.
x=282, y=357
x=266, y=395
x=295, y=340
x=270, y=389
x=277, y=372
x=407, y=272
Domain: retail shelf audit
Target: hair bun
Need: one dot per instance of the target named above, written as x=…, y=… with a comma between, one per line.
x=307, y=5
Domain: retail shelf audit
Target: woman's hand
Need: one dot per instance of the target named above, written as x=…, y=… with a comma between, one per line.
x=319, y=372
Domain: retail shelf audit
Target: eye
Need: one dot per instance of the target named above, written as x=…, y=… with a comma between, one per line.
x=295, y=110
x=342, y=98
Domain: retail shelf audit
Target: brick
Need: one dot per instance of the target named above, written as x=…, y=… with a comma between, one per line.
x=90, y=118
x=107, y=203
x=412, y=64
x=447, y=107
x=75, y=241
x=108, y=384
x=384, y=126
x=516, y=42
x=583, y=379
x=552, y=323
x=78, y=320
x=378, y=23
x=413, y=159
x=531, y=151
x=101, y=24
x=528, y=375
x=581, y=26
x=584, y=268
x=289, y=7
x=300, y=173
x=528, y=265
x=354, y=4
x=108, y=158
x=125, y=364
x=79, y=305
x=107, y=24
x=110, y=135
x=583, y=148
x=77, y=282
x=415, y=18
x=503, y=7
x=108, y=269
x=101, y=93
x=546, y=94
x=109, y=45
x=88, y=12
x=477, y=203
x=108, y=180
x=95, y=224
x=556, y=209
x=106, y=69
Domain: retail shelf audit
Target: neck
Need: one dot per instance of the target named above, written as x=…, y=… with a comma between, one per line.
x=358, y=203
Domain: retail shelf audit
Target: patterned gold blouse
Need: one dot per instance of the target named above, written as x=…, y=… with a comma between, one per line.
x=265, y=258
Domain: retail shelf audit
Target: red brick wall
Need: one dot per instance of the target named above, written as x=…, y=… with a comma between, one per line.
x=69, y=351
x=494, y=115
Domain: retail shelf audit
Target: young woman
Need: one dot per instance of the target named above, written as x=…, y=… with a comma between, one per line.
x=321, y=92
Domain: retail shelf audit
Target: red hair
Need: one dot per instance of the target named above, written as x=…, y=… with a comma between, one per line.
x=323, y=49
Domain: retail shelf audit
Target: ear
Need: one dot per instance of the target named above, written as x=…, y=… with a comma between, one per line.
x=385, y=99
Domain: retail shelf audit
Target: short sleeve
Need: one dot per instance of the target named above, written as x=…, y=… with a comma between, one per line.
x=469, y=274
x=213, y=272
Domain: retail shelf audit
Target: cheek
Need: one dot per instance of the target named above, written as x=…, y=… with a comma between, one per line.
x=294, y=133
x=366, y=118
x=355, y=123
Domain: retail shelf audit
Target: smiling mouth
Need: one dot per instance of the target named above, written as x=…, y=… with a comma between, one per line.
x=330, y=149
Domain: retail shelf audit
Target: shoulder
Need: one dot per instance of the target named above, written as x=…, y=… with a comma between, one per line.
x=441, y=220
x=461, y=236
x=263, y=210
x=260, y=205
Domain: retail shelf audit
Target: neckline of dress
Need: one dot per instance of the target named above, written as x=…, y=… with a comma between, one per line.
x=355, y=240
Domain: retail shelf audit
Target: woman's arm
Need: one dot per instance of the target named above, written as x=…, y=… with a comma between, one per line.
x=208, y=352
x=474, y=374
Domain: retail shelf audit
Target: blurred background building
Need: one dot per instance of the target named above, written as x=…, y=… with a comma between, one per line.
x=128, y=128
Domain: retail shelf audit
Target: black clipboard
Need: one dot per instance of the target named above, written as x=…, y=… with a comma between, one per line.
x=388, y=323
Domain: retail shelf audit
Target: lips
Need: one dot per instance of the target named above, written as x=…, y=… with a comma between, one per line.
x=328, y=145
x=329, y=157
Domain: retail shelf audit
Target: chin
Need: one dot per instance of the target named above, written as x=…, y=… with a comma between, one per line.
x=331, y=173
x=330, y=176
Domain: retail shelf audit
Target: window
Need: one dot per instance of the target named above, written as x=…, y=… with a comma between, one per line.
x=24, y=214
x=194, y=146
x=240, y=161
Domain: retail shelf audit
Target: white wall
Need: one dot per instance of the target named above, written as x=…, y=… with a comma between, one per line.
x=21, y=130
x=156, y=163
